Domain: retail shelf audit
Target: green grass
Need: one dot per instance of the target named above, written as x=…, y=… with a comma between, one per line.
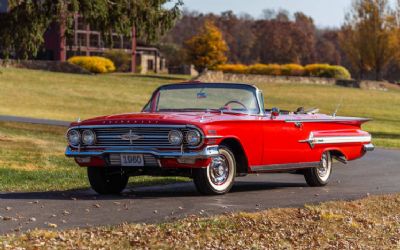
x=61, y=96
x=32, y=159
x=68, y=96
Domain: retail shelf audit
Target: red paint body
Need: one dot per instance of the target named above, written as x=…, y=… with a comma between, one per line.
x=265, y=140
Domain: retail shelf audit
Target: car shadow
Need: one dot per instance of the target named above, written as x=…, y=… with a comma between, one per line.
x=149, y=192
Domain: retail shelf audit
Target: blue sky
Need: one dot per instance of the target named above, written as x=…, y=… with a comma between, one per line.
x=326, y=13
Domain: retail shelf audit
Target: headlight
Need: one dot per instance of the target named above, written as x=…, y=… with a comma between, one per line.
x=175, y=137
x=74, y=137
x=88, y=137
x=193, y=137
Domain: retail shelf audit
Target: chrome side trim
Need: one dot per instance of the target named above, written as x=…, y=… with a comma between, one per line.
x=338, y=119
x=284, y=167
x=369, y=147
x=214, y=137
x=207, y=152
x=335, y=139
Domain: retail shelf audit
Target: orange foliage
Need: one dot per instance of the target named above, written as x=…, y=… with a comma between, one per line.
x=208, y=48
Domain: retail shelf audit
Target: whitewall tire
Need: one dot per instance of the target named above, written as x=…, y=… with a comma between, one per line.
x=219, y=176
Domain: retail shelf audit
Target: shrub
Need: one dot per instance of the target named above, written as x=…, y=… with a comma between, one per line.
x=292, y=70
x=265, y=69
x=121, y=60
x=326, y=70
x=94, y=64
x=233, y=68
x=313, y=70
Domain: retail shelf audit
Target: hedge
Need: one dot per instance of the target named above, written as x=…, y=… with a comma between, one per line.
x=94, y=64
x=313, y=70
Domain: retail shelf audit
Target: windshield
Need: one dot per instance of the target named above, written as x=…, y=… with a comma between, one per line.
x=235, y=98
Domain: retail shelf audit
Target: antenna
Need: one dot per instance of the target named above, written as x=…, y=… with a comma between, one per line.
x=337, y=107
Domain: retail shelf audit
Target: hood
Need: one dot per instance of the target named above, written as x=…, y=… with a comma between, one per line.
x=159, y=118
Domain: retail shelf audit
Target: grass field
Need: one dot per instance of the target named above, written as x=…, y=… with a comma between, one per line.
x=32, y=159
x=67, y=97
x=371, y=223
x=31, y=156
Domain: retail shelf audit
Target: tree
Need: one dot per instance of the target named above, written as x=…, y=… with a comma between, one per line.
x=369, y=36
x=23, y=26
x=207, y=49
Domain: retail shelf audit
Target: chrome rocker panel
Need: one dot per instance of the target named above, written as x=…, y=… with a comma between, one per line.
x=207, y=152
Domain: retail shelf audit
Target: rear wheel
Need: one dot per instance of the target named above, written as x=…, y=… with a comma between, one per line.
x=219, y=176
x=320, y=176
x=106, y=181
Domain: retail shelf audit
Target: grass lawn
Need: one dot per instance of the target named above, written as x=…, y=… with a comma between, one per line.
x=32, y=159
x=371, y=223
x=35, y=93
x=67, y=97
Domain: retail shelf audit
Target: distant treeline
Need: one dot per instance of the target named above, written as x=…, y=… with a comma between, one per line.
x=277, y=38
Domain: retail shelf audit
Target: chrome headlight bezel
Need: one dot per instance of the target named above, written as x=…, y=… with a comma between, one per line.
x=74, y=137
x=175, y=137
x=88, y=137
x=193, y=138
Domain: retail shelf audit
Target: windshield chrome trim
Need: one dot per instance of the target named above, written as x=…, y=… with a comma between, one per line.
x=256, y=91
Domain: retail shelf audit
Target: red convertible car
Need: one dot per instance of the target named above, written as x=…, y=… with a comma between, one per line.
x=213, y=133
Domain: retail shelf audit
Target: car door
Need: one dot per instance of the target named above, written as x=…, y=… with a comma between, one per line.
x=282, y=142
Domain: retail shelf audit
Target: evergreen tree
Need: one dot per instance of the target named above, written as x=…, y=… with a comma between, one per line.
x=23, y=26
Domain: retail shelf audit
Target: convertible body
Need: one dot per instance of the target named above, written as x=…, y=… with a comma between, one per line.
x=173, y=136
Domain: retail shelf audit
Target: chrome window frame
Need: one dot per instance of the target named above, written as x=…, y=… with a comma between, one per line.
x=256, y=91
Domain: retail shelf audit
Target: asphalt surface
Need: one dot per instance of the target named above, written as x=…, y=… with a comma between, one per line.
x=9, y=118
x=376, y=173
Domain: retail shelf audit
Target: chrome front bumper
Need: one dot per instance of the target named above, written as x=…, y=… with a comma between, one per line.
x=207, y=152
x=369, y=147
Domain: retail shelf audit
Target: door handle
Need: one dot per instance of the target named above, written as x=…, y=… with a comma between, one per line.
x=298, y=124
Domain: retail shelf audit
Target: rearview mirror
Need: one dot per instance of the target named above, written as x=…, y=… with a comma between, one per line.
x=275, y=112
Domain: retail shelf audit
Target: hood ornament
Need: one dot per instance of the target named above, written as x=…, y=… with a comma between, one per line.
x=131, y=137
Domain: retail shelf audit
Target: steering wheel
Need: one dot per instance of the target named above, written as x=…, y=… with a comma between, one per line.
x=236, y=102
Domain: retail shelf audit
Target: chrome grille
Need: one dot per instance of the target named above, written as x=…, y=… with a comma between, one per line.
x=154, y=137
x=149, y=160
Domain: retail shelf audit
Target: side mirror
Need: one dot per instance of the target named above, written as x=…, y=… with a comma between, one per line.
x=275, y=112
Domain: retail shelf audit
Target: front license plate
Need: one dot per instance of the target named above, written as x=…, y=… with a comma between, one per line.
x=132, y=160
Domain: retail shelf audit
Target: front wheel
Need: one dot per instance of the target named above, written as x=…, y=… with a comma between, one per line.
x=219, y=176
x=104, y=181
x=320, y=176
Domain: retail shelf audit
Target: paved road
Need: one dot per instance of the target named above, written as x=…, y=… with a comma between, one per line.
x=377, y=173
x=9, y=118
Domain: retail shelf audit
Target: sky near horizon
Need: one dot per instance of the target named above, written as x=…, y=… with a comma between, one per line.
x=326, y=13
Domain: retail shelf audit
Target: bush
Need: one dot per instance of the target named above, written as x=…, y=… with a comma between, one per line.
x=313, y=70
x=121, y=59
x=326, y=70
x=292, y=70
x=265, y=69
x=233, y=68
x=94, y=64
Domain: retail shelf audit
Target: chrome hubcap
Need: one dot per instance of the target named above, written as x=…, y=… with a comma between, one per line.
x=219, y=170
x=324, y=167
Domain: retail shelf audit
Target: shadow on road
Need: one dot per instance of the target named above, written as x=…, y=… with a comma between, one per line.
x=149, y=192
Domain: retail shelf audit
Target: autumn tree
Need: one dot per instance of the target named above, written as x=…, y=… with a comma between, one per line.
x=369, y=36
x=23, y=26
x=207, y=49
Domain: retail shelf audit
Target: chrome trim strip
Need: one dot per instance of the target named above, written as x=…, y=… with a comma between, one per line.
x=344, y=119
x=369, y=147
x=129, y=125
x=335, y=139
x=207, y=152
x=284, y=167
x=214, y=137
